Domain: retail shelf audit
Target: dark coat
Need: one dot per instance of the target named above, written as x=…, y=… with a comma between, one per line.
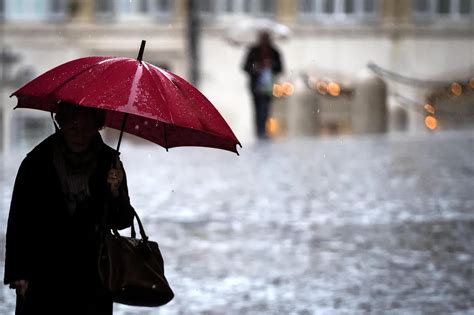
x=252, y=64
x=55, y=251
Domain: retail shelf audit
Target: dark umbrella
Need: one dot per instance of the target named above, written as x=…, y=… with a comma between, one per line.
x=139, y=98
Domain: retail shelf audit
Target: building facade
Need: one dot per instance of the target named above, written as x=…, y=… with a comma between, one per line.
x=354, y=66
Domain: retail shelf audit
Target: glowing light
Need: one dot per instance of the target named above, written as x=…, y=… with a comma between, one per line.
x=277, y=90
x=272, y=126
x=334, y=89
x=288, y=88
x=431, y=122
x=429, y=108
x=456, y=88
x=471, y=83
x=321, y=87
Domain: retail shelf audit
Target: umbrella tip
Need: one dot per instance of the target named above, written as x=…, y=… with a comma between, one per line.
x=236, y=151
x=142, y=49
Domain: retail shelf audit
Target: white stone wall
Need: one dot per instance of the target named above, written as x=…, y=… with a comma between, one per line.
x=425, y=55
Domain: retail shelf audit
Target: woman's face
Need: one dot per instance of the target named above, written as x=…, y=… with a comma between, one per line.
x=79, y=130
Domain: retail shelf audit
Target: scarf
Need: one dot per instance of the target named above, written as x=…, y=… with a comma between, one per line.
x=75, y=169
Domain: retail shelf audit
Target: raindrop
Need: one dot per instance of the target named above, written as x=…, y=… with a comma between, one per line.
x=137, y=127
x=146, y=123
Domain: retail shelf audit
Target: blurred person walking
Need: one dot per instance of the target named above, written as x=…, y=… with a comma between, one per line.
x=262, y=63
x=57, y=214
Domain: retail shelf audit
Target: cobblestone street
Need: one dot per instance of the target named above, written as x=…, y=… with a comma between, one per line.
x=342, y=225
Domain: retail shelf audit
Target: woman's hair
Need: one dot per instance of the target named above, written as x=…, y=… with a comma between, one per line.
x=65, y=112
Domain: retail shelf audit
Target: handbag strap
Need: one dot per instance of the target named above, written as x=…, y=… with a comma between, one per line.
x=115, y=231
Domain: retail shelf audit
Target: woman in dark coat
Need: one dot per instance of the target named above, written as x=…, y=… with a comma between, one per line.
x=262, y=63
x=61, y=190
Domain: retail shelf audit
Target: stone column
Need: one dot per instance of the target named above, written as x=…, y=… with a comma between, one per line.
x=180, y=11
x=81, y=11
x=286, y=10
x=369, y=110
x=396, y=13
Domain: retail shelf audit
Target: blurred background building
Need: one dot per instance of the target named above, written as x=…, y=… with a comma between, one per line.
x=351, y=66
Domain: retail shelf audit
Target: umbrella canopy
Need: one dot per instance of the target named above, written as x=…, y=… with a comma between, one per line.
x=158, y=105
x=245, y=32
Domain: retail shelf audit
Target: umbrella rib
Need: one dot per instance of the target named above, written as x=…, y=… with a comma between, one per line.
x=133, y=90
x=158, y=89
x=178, y=88
x=165, y=136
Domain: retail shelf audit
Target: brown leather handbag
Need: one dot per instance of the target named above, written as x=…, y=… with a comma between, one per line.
x=132, y=269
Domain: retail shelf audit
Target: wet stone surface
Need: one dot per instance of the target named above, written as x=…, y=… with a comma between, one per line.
x=353, y=225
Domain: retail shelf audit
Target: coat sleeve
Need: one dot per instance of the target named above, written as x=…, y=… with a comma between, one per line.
x=250, y=65
x=121, y=212
x=20, y=225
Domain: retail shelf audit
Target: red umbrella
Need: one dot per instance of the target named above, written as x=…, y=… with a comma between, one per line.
x=140, y=98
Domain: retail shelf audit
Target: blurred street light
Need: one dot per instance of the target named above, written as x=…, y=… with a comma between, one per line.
x=431, y=122
x=456, y=89
x=429, y=109
x=334, y=89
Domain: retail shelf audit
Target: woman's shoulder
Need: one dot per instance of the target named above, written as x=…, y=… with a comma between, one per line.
x=106, y=149
x=43, y=149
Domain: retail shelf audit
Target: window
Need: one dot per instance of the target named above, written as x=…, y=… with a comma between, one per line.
x=267, y=6
x=163, y=6
x=104, y=7
x=251, y=7
x=443, y=6
x=337, y=10
x=369, y=6
x=328, y=6
x=57, y=9
x=465, y=7
x=205, y=6
x=247, y=6
x=451, y=9
x=33, y=10
x=2, y=9
x=143, y=6
x=139, y=9
x=421, y=6
x=24, y=10
x=306, y=6
x=349, y=7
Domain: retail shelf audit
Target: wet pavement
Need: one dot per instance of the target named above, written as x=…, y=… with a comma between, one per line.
x=351, y=225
